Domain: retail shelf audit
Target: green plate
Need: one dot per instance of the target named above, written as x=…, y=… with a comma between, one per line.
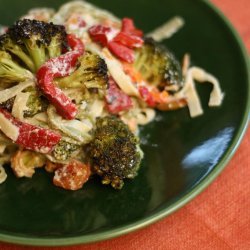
x=182, y=155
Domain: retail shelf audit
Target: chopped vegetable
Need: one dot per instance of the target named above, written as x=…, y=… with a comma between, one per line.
x=10, y=71
x=34, y=42
x=122, y=52
x=116, y=100
x=128, y=40
x=36, y=103
x=158, y=66
x=128, y=27
x=91, y=73
x=114, y=153
x=29, y=136
x=99, y=34
x=60, y=67
x=147, y=96
x=64, y=150
x=120, y=43
x=72, y=176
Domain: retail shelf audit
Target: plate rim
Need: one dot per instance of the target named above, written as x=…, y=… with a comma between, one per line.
x=139, y=224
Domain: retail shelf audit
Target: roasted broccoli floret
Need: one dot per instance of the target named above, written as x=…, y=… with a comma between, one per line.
x=36, y=103
x=64, y=150
x=114, y=152
x=158, y=66
x=10, y=71
x=10, y=46
x=34, y=42
x=91, y=73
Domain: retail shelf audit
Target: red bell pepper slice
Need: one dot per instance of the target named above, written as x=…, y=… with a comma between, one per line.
x=124, y=53
x=147, y=96
x=99, y=34
x=62, y=103
x=128, y=27
x=122, y=44
x=129, y=40
x=33, y=137
x=60, y=67
x=116, y=100
x=75, y=44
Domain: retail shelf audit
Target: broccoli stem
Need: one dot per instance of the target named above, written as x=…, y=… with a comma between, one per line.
x=54, y=49
x=37, y=53
x=16, y=50
x=12, y=71
x=71, y=81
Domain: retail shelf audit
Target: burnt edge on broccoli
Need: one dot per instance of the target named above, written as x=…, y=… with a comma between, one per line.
x=36, y=103
x=23, y=49
x=8, y=104
x=32, y=42
x=64, y=150
x=26, y=28
x=159, y=66
x=114, y=152
x=92, y=72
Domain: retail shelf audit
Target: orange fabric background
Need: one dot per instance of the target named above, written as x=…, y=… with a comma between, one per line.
x=219, y=218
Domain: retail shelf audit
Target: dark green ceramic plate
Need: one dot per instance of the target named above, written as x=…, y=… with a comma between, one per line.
x=182, y=155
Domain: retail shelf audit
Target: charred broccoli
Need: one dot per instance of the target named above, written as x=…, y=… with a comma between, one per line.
x=158, y=66
x=33, y=42
x=114, y=153
x=64, y=150
x=92, y=73
x=8, y=104
x=10, y=71
x=36, y=103
x=10, y=46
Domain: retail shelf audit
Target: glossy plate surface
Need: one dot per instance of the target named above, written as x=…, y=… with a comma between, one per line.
x=182, y=155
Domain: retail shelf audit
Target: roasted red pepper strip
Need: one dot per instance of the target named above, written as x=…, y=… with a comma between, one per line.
x=116, y=100
x=99, y=34
x=60, y=67
x=122, y=44
x=33, y=137
x=75, y=44
x=147, y=96
x=129, y=40
x=161, y=99
x=124, y=53
x=128, y=27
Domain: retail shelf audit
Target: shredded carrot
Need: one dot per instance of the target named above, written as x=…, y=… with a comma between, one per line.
x=135, y=75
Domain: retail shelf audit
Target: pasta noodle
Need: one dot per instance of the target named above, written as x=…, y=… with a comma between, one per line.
x=190, y=93
x=167, y=29
x=19, y=105
x=78, y=130
x=3, y=175
x=116, y=71
x=7, y=94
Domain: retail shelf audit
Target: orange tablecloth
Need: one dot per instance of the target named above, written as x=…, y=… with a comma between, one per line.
x=219, y=218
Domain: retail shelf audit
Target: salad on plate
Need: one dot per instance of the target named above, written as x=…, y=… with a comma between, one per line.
x=77, y=84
